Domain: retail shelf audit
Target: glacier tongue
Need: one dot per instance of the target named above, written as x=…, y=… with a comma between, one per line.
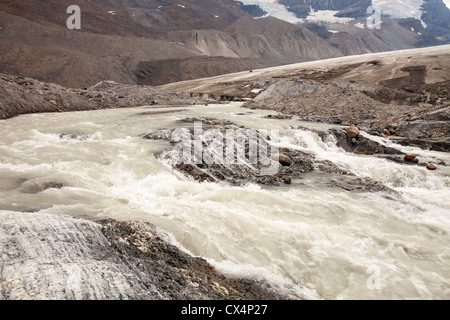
x=401, y=8
x=274, y=9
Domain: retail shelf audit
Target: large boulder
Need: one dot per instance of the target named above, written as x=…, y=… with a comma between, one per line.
x=285, y=160
x=352, y=132
x=410, y=157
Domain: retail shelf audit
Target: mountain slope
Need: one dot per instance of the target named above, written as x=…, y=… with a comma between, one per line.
x=434, y=15
x=135, y=41
x=130, y=17
x=50, y=52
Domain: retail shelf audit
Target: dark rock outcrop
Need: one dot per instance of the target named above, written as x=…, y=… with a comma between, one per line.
x=424, y=128
x=252, y=10
x=437, y=17
x=441, y=145
x=359, y=144
x=354, y=184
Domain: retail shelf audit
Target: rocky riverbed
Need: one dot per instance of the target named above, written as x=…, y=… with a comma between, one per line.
x=292, y=166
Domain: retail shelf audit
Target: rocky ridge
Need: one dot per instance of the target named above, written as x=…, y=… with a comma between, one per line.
x=20, y=95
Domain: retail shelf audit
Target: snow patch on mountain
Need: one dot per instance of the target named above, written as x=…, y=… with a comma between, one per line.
x=393, y=8
x=274, y=9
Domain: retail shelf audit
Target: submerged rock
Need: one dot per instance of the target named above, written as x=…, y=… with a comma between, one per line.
x=158, y=135
x=196, y=173
x=354, y=184
x=279, y=117
x=74, y=136
x=52, y=185
x=33, y=187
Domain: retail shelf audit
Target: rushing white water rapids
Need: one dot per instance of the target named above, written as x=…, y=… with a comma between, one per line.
x=315, y=242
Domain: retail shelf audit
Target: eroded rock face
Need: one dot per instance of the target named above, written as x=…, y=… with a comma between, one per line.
x=58, y=257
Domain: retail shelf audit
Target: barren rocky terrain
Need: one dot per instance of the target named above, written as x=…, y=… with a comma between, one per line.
x=20, y=95
x=404, y=94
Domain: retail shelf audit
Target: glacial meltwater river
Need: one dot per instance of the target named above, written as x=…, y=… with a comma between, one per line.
x=310, y=241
